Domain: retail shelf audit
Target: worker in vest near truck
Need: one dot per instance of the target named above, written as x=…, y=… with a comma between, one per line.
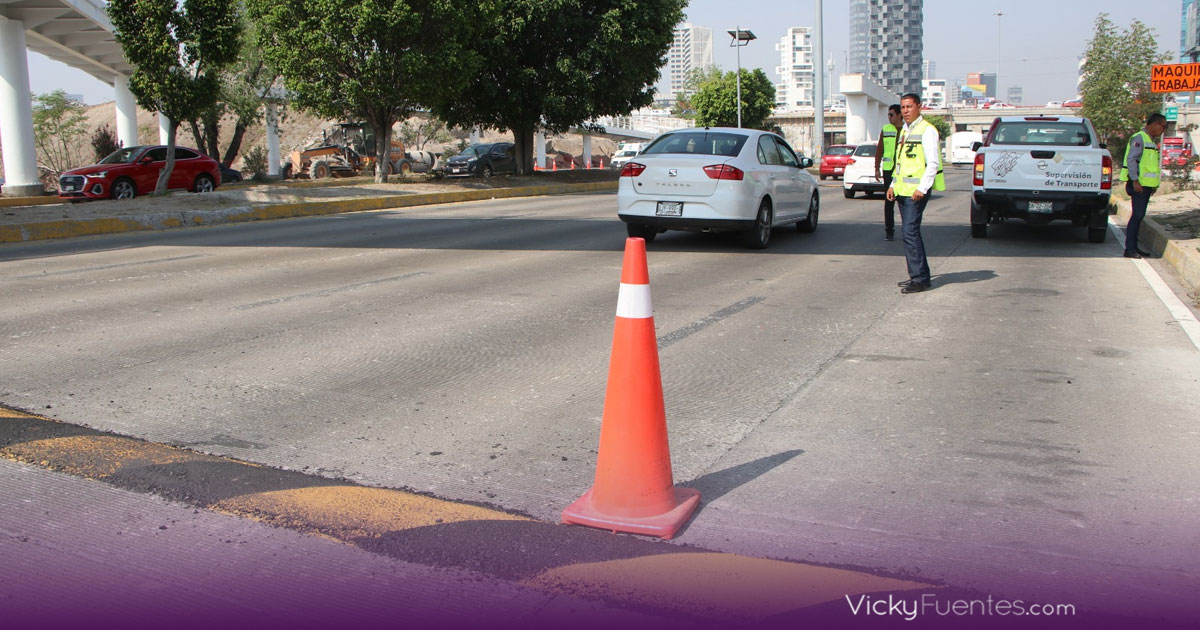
x=885, y=161
x=1140, y=171
x=918, y=171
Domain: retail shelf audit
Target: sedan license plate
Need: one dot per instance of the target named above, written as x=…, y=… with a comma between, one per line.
x=669, y=209
x=1041, y=206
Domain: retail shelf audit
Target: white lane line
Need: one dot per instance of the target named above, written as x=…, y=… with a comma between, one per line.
x=1182, y=314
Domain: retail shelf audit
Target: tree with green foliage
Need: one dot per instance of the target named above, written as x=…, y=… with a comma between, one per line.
x=683, y=107
x=104, y=142
x=58, y=126
x=244, y=83
x=372, y=60
x=555, y=65
x=1116, y=80
x=177, y=50
x=716, y=102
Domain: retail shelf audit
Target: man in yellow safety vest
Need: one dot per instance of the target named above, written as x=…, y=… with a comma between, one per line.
x=885, y=161
x=918, y=170
x=1140, y=171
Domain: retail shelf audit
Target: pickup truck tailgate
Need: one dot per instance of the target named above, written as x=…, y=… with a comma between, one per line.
x=1047, y=169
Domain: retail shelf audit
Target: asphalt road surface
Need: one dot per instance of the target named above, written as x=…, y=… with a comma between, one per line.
x=1028, y=428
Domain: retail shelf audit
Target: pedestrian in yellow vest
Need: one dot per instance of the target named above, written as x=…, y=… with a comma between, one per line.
x=1140, y=171
x=918, y=170
x=885, y=161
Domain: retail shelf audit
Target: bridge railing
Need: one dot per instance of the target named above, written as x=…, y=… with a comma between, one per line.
x=647, y=123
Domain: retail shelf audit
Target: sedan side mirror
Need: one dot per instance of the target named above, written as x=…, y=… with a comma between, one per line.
x=806, y=162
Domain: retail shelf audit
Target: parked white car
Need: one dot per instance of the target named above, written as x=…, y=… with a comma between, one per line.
x=859, y=175
x=621, y=157
x=718, y=179
x=1054, y=104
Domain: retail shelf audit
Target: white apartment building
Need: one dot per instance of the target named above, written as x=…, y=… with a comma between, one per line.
x=933, y=93
x=796, y=71
x=691, y=50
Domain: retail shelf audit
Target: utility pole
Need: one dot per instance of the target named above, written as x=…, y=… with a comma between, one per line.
x=819, y=91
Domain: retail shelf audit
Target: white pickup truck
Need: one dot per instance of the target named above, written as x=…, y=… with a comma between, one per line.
x=1042, y=169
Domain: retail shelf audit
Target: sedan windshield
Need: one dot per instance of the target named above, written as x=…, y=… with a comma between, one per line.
x=699, y=143
x=865, y=150
x=121, y=156
x=839, y=151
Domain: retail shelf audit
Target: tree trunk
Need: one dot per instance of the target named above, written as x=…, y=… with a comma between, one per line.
x=382, y=121
x=164, y=175
x=199, y=137
x=212, y=132
x=523, y=143
x=235, y=143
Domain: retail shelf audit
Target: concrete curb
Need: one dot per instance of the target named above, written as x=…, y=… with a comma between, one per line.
x=8, y=202
x=70, y=228
x=1180, y=255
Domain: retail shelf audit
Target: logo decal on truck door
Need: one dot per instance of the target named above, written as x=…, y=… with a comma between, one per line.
x=1006, y=163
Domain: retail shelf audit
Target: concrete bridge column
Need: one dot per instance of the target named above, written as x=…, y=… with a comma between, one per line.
x=272, y=118
x=16, y=113
x=164, y=128
x=856, y=126
x=587, y=151
x=539, y=148
x=127, y=131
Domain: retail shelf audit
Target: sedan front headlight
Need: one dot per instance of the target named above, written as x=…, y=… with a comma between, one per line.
x=100, y=175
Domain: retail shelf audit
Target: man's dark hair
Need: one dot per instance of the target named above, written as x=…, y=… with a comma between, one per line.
x=915, y=98
x=1155, y=117
x=894, y=108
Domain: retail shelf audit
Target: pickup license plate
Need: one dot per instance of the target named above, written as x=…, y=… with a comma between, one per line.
x=1041, y=206
x=669, y=209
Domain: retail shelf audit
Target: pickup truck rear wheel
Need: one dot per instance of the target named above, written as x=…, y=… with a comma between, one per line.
x=1097, y=235
x=979, y=230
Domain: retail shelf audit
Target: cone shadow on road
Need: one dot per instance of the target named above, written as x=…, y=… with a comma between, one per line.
x=717, y=484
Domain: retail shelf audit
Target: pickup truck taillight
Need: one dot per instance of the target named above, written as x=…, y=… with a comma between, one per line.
x=1105, y=173
x=977, y=180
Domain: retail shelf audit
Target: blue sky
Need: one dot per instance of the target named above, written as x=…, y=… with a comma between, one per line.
x=1042, y=39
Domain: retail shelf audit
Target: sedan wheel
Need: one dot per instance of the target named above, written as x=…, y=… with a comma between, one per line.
x=204, y=184
x=123, y=189
x=814, y=210
x=641, y=231
x=758, y=237
x=487, y=170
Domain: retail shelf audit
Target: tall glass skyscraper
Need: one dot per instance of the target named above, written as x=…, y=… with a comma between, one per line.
x=885, y=42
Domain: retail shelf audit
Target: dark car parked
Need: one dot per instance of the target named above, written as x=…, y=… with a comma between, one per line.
x=483, y=160
x=230, y=175
x=133, y=171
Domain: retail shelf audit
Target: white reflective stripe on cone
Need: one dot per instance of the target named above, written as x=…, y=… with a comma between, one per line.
x=633, y=301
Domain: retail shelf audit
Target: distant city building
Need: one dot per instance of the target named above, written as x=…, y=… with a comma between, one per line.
x=928, y=70
x=692, y=49
x=796, y=71
x=933, y=93
x=954, y=92
x=1189, y=35
x=1015, y=95
x=982, y=84
x=885, y=42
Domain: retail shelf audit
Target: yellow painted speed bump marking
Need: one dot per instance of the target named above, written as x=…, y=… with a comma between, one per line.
x=97, y=456
x=717, y=583
x=351, y=512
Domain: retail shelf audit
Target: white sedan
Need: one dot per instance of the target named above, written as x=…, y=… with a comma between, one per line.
x=717, y=179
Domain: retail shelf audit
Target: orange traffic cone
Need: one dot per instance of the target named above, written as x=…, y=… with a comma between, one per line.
x=555, y=164
x=633, y=491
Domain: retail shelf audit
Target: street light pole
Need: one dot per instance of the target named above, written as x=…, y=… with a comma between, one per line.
x=998, y=15
x=740, y=38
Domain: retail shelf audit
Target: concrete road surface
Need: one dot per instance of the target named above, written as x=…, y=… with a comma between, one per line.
x=1027, y=429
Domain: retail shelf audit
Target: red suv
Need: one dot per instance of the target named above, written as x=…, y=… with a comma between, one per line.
x=133, y=171
x=833, y=163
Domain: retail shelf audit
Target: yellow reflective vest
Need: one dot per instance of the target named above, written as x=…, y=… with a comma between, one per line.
x=890, y=134
x=1148, y=166
x=910, y=163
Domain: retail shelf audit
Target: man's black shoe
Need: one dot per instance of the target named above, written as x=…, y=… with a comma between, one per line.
x=904, y=283
x=889, y=236
x=1144, y=253
x=1132, y=255
x=914, y=287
